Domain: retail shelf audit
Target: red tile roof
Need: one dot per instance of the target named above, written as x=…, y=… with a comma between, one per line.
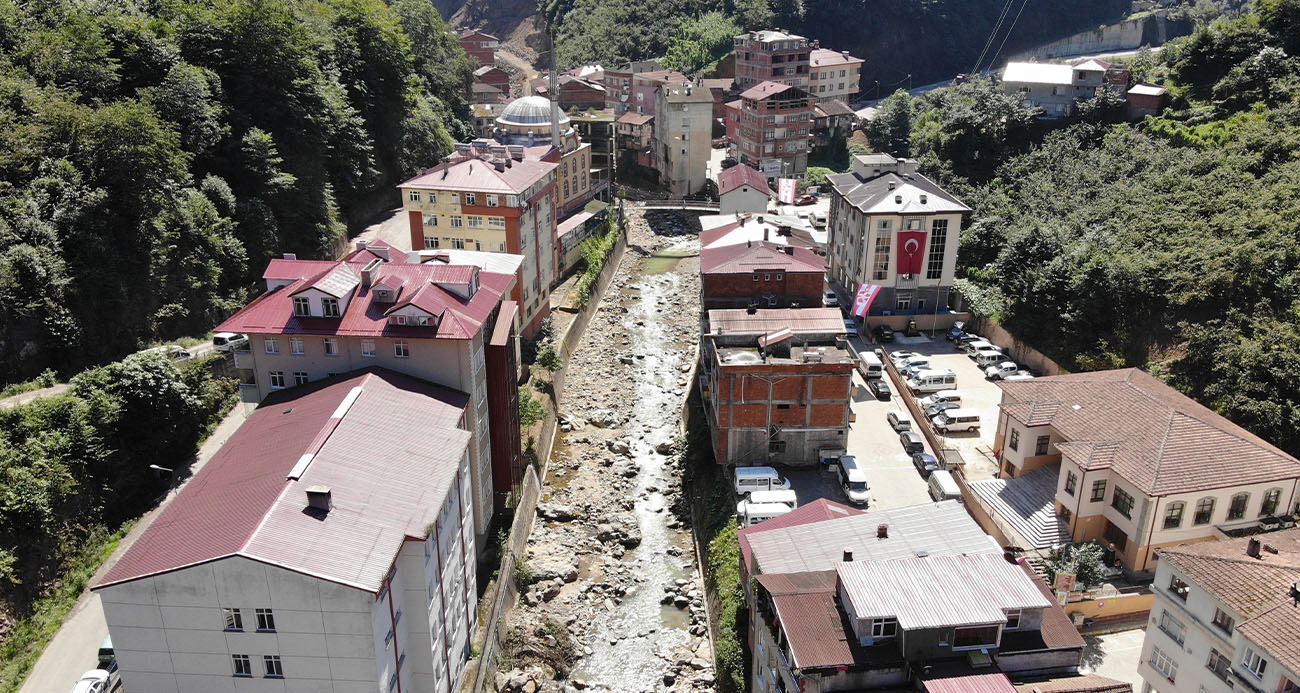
x=1155, y=437
x=1056, y=628
x=476, y=175
x=384, y=488
x=740, y=174
x=973, y=683
x=817, y=630
x=816, y=511
x=272, y=313
x=634, y=118
x=760, y=256
x=363, y=257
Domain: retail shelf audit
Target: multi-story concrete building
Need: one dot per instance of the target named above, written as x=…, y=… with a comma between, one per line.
x=1056, y=87
x=772, y=56
x=772, y=126
x=432, y=321
x=776, y=384
x=547, y=134
x=480, y=46
x=1139, y=465
x=682, y=125
x=633, y=133
x=313, y=552
x=618, y=85
x=833, y=75
x=765, y=274
x=895, y=228
x=492, y=198
x=1225, y=617
x=595, y=127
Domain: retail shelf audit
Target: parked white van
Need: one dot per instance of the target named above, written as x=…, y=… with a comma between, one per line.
x=818, y=220
x=957, y=420
x=757, y=512
x=229, y=341
x=932, y=380
x=981, y=349
x=750, y=479
x=985, y=359
x=899, y=420
x=943, y=486
x=869, y=365
x=941, y=397
x=784, y=497
x=854, y=481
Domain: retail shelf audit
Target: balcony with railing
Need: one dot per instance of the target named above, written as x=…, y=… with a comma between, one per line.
x=907, y=281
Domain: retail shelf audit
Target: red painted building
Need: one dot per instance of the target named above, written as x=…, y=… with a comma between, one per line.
x=772, y=56
x=761, y=273
x=776, y=384
x=772, y=129
x=480, y=46
x=502, y=359
x=583, y=94
x=494, y=77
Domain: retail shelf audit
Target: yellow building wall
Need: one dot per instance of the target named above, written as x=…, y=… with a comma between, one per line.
x=488, y=239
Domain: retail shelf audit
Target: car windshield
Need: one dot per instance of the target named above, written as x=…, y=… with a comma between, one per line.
x=857, y=486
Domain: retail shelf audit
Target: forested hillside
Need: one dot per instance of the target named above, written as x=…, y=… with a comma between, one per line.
x=155, y=154
x=1172, y=243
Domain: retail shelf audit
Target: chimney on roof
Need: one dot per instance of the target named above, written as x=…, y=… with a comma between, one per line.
x=291, y=256
x=765, y=233
x=848, y=555
x=1294, y=594
x=882, y=531
x=1252, y=548
x=760, y=220
x=361, y=245
x=370, y=272
x=898, y=199
x=924, y=198
x=892, y=185
x=789, y=250
x=381, y=251
x=752, y=309
x=319, y=498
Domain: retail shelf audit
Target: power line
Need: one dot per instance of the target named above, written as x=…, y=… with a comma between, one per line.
x=993, y=61
x=992, y=35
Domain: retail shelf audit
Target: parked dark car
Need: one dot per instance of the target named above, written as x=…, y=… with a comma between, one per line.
x=925, y=463
x=966, y=338
x=884, y=333
x=912, y=441
x=958, y=329
x=880, y=388
x=728, y=163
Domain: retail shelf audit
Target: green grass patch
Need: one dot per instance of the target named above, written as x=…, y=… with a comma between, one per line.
x=33, y=632
x=48, y=378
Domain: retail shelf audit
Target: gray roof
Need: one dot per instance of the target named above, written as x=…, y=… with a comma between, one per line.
x=871, y=194
x=1026, y=505
x=936, y=529
x=529, y=110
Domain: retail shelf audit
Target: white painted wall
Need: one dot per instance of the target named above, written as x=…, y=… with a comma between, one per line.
x=743, y=199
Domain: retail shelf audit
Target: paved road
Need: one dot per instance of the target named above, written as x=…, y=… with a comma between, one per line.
x=74, y=647
x=24, y=398
x=392, y=229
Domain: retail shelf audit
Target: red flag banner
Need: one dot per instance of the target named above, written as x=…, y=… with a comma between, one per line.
x=911, y=252
x=862, y=302
x=786, y=190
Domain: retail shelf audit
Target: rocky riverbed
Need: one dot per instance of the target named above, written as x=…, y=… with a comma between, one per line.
x=614, y=600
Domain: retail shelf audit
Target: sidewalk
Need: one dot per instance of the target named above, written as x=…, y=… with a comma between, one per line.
x=75, y=646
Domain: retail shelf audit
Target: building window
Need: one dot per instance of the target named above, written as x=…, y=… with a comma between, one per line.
x=331, y=346
x=401, y=349
x=430, y=242
x=471, y=198
x=1253, y=662
x=234, y=619
x=301, y=306
x=431, y=220
x=884, y=627
x=776, y=446
x=272, y=344
x=1178, y=588
x=1271, y=499
x=493, y=200
x=1223, y=621
x=368, y=348
x=904, y=302
x=414, y=195
x=458, y=243
x=243, y=667
x=455, y=198
x=1172, y=627
x=1237, y=507
x=399, y=319
x=433, y=197
x=756, y=276
x=1013, y=620
x=1286, y=685
x=476, y=222
x=274, y=669
x=1040, y=447
x=299, y=377
x=938, y=243
x=1014, y=443
x=1071, y=479
x=1204, y=511
x=277, y=380
x=1163, y=664
x=329, y=307
x=975, y=636
x=265, y=620
x=1174, y=515
x=1122, y=502
x=496, y=223
x=880, y=265
x=912, y=224
x=296, y=346
x=1098, y=490
x=457, y=221
x=1218, y=664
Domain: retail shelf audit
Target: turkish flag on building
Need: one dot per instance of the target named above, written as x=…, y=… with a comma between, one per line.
x=911, y=252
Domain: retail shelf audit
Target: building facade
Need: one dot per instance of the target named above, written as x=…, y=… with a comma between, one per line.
x=480, y=46
x=772, y=56
x=1140, y=464
x=309, y=554
x=761, y=274
x=1224, y=617
x=681, y=146
x=833, y=75
x=494, y=77
x=618, y=85
x=776, y=384
x=894, y=228
x=772, y=128
x=742, y=189
x=1056, y=87
x=492, y=198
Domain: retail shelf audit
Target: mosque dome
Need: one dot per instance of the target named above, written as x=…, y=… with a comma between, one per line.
x=529, y=111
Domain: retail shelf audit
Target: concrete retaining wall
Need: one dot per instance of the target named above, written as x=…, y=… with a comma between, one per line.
x=1018, y=351
x=1152, y=30
x=924, y=322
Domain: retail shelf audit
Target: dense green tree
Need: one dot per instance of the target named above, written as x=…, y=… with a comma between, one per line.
x=700, y=41
x=891, y=128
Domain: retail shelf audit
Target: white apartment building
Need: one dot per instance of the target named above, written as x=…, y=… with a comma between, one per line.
x=1056, y=87
x=895, y=228
x=313, y=552
x=833, y=75
x=1140, y=466
x=1225, y=617
x=682, y=126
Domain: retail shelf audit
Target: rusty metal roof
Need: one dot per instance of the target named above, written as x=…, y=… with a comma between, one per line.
x=972, y=683
x=351, y=433
x=739, y=321
x=731, y=178
x=939, y=591
x=759, y=256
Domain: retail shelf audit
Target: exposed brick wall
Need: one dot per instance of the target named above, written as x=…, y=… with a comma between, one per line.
x=727, y=290
x=793, y=397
